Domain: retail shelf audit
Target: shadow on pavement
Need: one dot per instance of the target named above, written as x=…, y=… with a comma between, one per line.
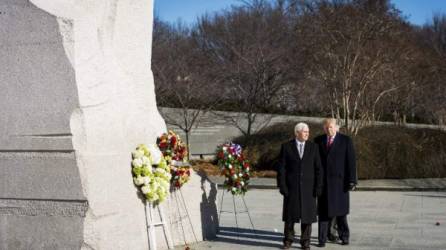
x=249, y=237
x=208, y=208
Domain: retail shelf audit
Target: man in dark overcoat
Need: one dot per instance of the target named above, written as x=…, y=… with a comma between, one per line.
x=299, y=179
x=339, y=167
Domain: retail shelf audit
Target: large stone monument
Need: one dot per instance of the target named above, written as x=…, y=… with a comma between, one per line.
x=76, y=97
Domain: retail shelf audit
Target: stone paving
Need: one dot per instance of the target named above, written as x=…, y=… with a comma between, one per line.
x=378, y=220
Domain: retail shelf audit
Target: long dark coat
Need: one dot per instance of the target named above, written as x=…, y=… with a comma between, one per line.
x=299, y=181
x=339, y=167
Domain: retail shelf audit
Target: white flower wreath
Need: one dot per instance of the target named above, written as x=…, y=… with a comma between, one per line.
x=154, y=182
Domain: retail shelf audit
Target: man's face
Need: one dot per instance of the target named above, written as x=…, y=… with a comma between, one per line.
x=330, y=128
x=303, y=134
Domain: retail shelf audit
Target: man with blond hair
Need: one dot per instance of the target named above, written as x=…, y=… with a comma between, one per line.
x=339, y=166
x=299, y=178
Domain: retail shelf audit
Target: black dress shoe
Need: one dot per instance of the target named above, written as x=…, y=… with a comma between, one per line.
x=344, y=242
x=332, y=238
x=321, y=244
x=286, y=245
x=305, y=244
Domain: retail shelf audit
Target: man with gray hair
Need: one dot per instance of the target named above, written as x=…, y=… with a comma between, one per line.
x=339, y=166
x=299, y=179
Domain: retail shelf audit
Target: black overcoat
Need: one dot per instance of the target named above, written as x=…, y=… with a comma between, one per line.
x=339, y=168
x=299, y=180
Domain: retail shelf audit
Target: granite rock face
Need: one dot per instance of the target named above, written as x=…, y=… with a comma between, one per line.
x=77, y=97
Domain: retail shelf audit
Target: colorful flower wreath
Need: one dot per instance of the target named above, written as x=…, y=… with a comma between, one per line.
x=234, y=167
x=180, y=176
x=154, y=181
x=172, y=147
x=175, y=152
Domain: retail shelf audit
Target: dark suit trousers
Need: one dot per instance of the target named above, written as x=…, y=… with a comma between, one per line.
x=305, y=233
x=342, y=225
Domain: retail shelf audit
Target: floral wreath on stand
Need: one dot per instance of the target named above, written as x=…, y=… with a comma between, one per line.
x=175, y=153
x=151, y=173
x=234, y=167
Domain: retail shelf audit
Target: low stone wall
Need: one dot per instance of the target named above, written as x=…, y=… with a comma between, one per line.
x=213, y=129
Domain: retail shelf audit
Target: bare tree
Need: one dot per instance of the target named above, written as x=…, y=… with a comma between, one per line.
x=179, y=77
x=248, y=48
x=430, y=98
x=349, y=48
x=357, y=60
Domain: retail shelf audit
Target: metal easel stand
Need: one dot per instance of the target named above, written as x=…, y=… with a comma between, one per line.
x=235, y=212
x=181, y=206
x=152, y=224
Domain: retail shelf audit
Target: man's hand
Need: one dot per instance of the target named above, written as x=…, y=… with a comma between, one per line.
x=352, y=186
x=284, y=192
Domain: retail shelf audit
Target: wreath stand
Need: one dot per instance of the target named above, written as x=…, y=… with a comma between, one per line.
x=181, y=206
x=152, y=224
x=235, y=212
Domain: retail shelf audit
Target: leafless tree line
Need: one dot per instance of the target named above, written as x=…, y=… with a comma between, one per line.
x=356, y=60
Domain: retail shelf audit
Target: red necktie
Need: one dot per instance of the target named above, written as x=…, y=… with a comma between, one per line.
x=330, y=141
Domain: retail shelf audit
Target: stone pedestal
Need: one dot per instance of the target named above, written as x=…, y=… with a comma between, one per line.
x=77, y=97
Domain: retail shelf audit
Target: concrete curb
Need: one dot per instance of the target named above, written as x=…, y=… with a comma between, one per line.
x=399, y=189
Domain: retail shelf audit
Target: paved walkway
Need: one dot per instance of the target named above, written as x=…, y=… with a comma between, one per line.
x=379, y=220
x=427, y=184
